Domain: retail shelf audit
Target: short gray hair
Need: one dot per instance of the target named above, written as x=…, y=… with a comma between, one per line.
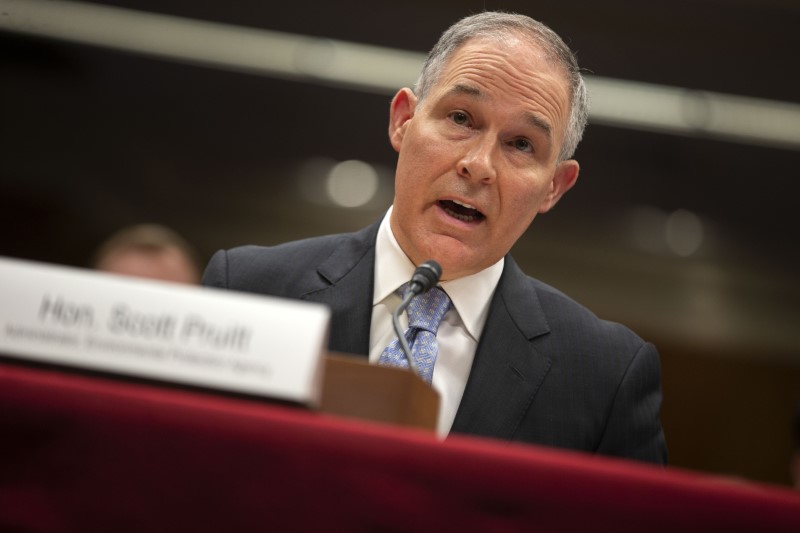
x=496, y=25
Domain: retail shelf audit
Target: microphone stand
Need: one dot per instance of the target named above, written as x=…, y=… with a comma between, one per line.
x=425, y=277
x=412, y=364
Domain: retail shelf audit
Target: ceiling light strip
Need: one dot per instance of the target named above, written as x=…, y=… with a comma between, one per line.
x=383, y=70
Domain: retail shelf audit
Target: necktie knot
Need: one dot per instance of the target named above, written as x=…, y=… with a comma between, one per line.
x=427, y=310
x=425, y=313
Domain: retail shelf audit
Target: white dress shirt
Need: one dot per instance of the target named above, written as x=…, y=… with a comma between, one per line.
x=460, y=329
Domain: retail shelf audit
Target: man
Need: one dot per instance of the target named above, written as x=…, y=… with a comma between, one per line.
x=149, y=251
x=484, y=144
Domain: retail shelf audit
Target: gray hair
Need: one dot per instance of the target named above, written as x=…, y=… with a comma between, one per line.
x=497, y=25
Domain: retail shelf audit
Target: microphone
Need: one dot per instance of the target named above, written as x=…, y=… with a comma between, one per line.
x=425, y=277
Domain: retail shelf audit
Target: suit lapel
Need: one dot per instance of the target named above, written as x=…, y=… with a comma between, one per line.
x=346, y=281
x=507, y=371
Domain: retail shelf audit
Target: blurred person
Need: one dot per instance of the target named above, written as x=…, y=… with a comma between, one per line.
x=149, y=251
x=485, y=143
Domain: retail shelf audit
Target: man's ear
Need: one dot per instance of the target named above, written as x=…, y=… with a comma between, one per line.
x=564, y=178
x=402, y=110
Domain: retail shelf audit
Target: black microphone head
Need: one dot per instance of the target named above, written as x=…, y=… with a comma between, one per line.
x=426, y=276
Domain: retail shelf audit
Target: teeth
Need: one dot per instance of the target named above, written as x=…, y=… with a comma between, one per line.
x=464, y=205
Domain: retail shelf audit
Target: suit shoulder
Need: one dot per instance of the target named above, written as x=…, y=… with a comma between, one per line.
x=275, y=270
x=285, y=256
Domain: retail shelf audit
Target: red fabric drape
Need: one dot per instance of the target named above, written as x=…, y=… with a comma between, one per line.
x=83, y=453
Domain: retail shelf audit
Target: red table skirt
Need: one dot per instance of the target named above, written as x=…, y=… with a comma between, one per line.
x=85, y=453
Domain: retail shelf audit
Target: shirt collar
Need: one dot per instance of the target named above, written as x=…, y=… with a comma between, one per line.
x=471, y=295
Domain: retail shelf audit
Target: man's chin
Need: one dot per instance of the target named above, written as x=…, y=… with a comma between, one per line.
x=460, y=265
x=456, y=257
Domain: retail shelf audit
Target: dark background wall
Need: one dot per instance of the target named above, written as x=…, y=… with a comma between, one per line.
x=92, y=140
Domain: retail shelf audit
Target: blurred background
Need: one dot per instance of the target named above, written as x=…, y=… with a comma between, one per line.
x=260, y=122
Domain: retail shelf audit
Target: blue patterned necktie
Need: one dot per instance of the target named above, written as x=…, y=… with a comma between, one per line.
x=424, y=316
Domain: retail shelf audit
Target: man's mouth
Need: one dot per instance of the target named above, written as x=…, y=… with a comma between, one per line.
x=463, y=212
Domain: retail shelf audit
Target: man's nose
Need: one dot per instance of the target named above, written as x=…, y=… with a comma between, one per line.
x=478, y=161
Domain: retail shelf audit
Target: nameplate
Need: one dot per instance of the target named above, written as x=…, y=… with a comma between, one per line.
x=196, y=336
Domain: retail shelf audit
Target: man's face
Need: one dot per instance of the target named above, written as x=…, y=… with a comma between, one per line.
x=168, y=264
x=478, y=158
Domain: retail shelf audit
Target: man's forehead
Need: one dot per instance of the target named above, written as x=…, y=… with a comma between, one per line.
x=509, y=55
x=513, y=44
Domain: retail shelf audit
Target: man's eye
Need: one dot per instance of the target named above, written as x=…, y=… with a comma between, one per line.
x=459, y=118
x=523, y=145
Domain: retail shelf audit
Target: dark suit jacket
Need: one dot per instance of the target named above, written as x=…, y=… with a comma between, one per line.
x=546, y=371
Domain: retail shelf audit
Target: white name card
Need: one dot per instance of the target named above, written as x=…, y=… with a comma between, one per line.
x=198, y=336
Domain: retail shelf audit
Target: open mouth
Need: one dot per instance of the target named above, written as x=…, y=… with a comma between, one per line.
x=462, y=212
